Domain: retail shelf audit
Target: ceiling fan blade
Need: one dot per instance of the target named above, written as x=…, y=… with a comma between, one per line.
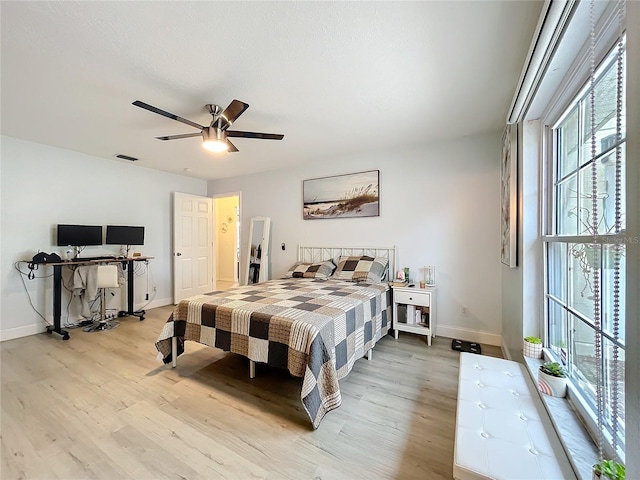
x=231, y=113
x=264, y=136
x=172, y=116
x=176, y=137
x=232, y=147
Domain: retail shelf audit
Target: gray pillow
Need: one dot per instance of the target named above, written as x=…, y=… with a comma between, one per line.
x=311, y=270
x=361, y=269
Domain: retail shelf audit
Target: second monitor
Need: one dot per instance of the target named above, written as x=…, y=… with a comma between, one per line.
x=124, y=235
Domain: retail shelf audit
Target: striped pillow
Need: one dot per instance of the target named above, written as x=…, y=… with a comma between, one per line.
x=361, y=269
x=311, y=270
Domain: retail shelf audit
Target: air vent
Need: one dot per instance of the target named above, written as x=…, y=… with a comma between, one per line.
x=127, y=157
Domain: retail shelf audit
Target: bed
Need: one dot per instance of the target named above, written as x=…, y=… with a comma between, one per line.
x=316, y=322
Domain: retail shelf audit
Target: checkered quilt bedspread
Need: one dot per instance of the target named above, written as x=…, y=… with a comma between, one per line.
x=316, y=329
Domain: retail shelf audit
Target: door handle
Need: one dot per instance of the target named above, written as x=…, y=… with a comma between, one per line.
x=178, y=254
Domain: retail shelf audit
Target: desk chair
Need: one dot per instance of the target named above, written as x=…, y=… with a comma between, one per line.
x=107, y=277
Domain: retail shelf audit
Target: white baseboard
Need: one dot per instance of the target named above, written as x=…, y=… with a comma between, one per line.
x=25, y=331
x=18, y=332
x=469, y=335
x=160, y=302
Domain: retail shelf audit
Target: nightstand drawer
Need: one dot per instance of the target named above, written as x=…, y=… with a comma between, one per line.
x=412, y=298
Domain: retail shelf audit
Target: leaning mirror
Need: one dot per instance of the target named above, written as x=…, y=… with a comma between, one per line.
x=257, y=267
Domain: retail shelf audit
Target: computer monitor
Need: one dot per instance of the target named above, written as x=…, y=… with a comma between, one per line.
x=125, y=235
x=79, y=235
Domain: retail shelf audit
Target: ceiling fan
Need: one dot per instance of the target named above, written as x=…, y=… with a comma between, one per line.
x=215, y=136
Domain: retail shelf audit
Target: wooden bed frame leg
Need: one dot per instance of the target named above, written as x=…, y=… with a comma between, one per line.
x=252, y=369
x=174, y=352
x=370, y=354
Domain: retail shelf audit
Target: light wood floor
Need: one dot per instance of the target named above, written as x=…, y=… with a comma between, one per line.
x=100, y=406
x=224, y=285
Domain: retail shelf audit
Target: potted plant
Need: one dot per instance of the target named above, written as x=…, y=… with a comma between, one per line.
x=532, y=347
x=608, y=470
x=552, y=379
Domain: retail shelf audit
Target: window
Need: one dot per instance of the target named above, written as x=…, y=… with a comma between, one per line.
x=585, y=253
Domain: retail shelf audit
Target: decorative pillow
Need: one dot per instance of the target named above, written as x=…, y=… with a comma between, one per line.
x=311, y=270
x=361, y=269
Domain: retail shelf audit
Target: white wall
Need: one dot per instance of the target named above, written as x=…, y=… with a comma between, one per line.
x=439, y=205
x=43, y=186
x=522, y=286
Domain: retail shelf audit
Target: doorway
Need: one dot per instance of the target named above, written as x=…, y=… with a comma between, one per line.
x=226, y=208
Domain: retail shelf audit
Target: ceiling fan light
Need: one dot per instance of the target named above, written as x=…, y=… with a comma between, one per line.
x=215, y=145
x=214, y=140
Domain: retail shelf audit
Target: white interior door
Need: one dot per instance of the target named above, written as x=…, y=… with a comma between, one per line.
x=192, y=245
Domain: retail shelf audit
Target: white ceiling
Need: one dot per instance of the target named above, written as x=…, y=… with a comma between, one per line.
x=336, y=78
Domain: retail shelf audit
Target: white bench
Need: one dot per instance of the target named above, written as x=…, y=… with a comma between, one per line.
x=502, y=428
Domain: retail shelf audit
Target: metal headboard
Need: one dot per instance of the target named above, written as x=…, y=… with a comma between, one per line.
x=320, y=254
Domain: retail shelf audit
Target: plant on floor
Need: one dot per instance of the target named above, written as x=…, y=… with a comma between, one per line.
x=554, y=369
x=609, y=470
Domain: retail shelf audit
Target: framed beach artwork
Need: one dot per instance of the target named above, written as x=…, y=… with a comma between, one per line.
x=342, y=196
x=509, y=197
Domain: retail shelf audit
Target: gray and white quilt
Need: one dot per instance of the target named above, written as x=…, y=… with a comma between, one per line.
x=315, y=328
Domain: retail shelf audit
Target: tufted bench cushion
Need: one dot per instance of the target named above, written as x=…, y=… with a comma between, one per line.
x=502, y=428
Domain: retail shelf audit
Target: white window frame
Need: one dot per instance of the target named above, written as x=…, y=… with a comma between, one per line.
x=561, y=107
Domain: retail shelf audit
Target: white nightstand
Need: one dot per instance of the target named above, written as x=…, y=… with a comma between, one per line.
x=417, y=297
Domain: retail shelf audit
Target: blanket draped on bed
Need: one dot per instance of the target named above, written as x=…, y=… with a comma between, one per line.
x=316, y=329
